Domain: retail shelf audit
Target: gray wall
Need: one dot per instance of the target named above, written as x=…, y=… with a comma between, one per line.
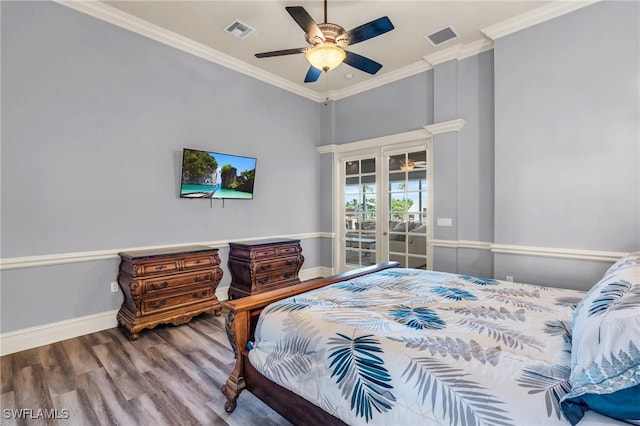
x=567, y=140
x=94, y=119
x=396, y=107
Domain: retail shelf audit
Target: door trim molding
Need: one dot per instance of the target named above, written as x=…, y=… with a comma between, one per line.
x=398, y=138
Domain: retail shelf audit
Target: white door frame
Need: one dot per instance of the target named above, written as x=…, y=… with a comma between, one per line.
x=379, y=149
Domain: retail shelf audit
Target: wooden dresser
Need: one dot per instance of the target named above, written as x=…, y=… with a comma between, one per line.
x=263, y=265
x=167, y=286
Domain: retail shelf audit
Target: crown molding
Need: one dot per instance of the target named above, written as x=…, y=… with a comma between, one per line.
x=134, y=24
x=533, y=17
x=104, y=12
x=458, y=52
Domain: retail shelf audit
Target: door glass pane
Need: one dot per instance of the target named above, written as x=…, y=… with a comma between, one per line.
x=407, y=236
x=360, y=213
x=352, y=168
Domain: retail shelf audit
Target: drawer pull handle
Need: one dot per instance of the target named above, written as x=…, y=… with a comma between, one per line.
x=155, y=304
x=155, y=286
x=161, y=267
x=292, y=262
x=265, y=267
x=263, y=280
x=197, y=262
x=200, y=294
x=288, y=274
x=203, y=278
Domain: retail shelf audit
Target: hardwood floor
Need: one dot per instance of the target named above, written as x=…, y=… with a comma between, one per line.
x=169, y=376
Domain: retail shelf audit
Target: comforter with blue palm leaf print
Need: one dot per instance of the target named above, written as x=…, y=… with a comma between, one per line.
x=413, y=347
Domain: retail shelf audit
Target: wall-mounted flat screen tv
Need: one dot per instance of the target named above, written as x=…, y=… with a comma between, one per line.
x=214, y=175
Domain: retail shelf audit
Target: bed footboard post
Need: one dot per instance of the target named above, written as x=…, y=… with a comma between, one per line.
x=237, y=327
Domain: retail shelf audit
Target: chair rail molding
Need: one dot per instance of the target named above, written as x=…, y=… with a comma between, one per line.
x=558, y=253
x=91, y=256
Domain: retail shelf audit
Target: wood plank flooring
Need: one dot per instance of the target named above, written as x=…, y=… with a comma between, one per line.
x=169, y=376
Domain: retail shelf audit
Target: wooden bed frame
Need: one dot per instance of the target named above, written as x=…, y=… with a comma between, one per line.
x=241, y=319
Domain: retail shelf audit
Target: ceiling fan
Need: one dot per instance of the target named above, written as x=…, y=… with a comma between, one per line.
x=328, y=41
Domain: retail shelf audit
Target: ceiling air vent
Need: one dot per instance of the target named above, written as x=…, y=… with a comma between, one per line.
x=239, y=29
x=442, y=36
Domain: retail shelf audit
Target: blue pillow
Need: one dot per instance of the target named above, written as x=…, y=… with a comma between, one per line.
x=605, y=347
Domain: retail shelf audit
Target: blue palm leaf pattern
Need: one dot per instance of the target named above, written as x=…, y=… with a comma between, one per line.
x=419, y=318
x=490, y=312
x=453, y=293
x=511, y=338
x=478, y=281
x=615, y=295
x=571, y=302
x=456, y=349
x=553, y=380
x=462, y=401
x=513, y=292
x=289, y=358
x=515, y=301
x=559, y=328
x=361, y=374
x=617, y=373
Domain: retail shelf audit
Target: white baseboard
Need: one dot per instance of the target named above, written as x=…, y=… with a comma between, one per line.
x=32, y=337
x=315, y=272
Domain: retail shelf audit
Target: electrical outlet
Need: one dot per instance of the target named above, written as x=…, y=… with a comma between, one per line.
x=114, y=287
x=510, y=278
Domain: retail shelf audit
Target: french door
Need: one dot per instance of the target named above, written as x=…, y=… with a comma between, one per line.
x=384, y=207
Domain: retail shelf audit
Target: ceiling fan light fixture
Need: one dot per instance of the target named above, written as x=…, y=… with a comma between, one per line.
x=325, y=56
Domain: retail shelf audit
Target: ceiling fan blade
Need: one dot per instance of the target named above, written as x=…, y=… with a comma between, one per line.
x=281, y=52
x=306, y=22
x=369, y=30
x=363, y=64
x=312, y=75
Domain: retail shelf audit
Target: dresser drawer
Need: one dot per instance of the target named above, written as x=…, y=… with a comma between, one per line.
x=200, y=262
x=154, y=285
x=193, y=296
x=271, y=265
x=265, y=252
x=275, y=277
x=157, y=267
x=293, y=249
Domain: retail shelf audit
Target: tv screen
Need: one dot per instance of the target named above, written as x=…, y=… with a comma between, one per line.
x=214, y=175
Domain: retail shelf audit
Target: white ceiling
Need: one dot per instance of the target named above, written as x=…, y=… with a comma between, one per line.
x=198, y=27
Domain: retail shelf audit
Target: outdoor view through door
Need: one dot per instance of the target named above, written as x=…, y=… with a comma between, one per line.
x=394, y=227
x=360, y=212
x=407, y=215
